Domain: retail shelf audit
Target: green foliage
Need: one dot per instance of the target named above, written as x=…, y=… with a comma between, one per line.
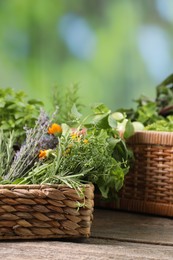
x=7, y=142
x=16, y=111
x=164, y=98
x=147, y=113
x=92, y=152
x=165, y=125
x=155, y=114
x=68, y=104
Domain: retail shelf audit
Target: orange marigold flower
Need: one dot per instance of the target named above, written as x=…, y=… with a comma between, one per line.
x=55, y=128
x=42, y=154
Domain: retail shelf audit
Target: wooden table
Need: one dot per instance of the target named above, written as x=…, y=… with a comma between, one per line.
x=115, y=235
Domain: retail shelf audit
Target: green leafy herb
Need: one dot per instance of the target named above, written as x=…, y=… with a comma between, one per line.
x=165, y=125
x=16, y=111
x=68, y=103
x=94, y=151
x=155, y=114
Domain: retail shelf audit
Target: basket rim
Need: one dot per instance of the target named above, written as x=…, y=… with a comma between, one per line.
x=41, y=186
x=151, y=137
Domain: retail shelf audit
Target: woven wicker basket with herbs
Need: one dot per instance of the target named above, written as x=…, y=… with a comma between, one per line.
x=148, y=188
x=49, y=167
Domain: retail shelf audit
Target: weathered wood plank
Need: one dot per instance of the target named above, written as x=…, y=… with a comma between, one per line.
x=132, y=227
x=91, y=249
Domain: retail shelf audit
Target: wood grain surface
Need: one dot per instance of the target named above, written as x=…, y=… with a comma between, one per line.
x=115, y=235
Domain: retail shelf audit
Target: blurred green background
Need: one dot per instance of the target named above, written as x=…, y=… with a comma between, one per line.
x=115, y=50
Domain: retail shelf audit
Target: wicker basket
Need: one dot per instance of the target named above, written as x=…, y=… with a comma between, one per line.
x=45, y=211
x=148, y=187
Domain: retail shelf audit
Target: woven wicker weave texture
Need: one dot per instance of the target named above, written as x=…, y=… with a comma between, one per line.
x=33, y=211
x=148, y=187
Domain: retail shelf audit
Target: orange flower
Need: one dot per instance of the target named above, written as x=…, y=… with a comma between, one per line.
x=42, y=154
x=55, y=128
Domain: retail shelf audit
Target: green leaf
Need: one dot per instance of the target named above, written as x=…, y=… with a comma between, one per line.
x=119, y=182
x=35, y=102
x=2, y=102
x=113, y=142
x=118, y=116
x=65, y=129
x=101, y=121
x=75, y=112
x=104, y=189
x=129, y=129
x=112, y=121
x=101, y=109
x=19, y=181
x=120, y=152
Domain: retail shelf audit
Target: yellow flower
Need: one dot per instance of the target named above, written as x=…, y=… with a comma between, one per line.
x=55, y=128
x=74, y=135
x=85, y=141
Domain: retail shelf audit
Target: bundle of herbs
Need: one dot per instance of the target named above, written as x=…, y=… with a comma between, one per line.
x=156, y=114
x=93, y=150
